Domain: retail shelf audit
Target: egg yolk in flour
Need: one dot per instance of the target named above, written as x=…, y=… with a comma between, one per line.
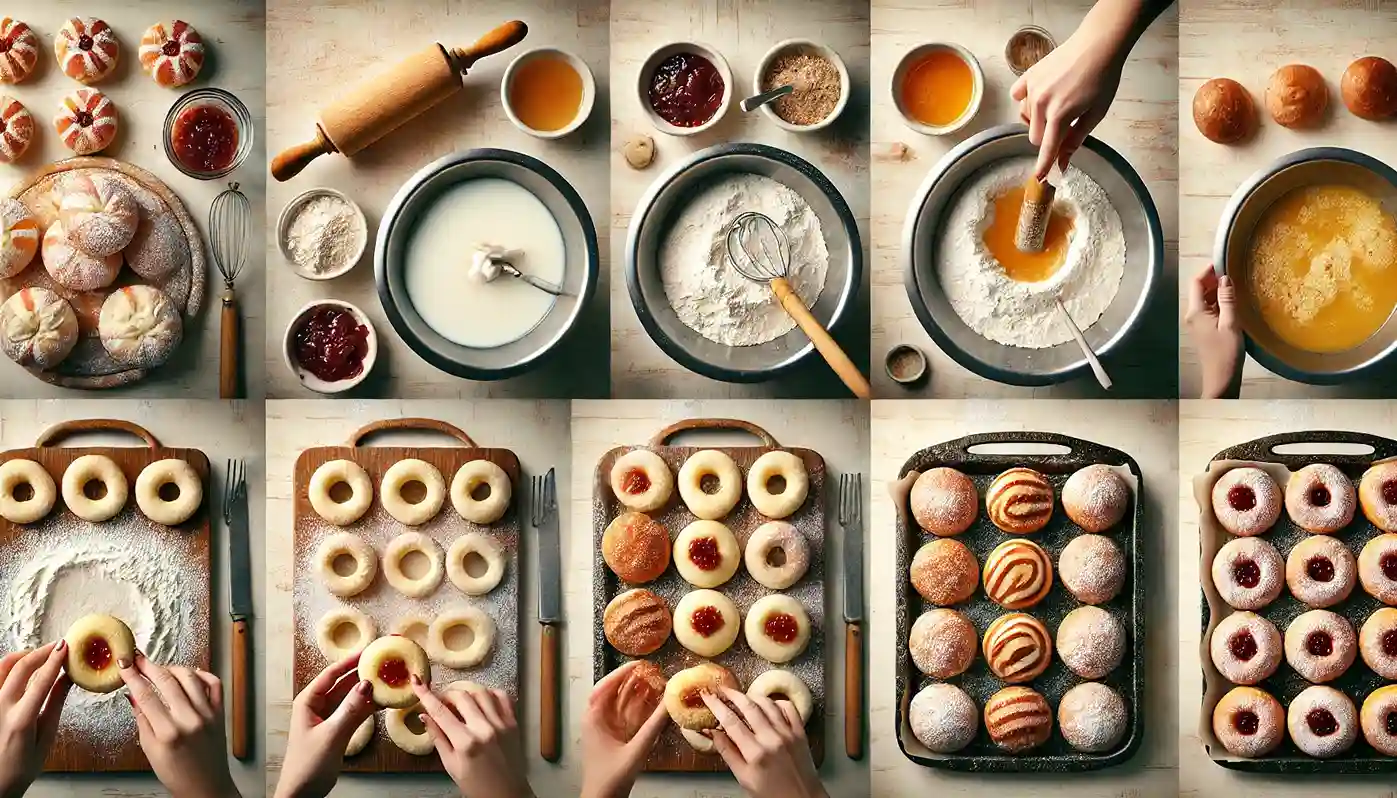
x=1026, y=267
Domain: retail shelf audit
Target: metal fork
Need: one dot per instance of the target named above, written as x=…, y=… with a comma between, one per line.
x=543, y=499
x=234, y=489
x=851, y=520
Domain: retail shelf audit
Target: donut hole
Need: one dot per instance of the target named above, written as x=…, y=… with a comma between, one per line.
x=346, y=635
x=480, y=491
x=710, y=484
x=416, y=632
x=458, y=637
x=776, y=485
x=94, y=489
x=168, y=492
x=344, y=564
x=23, y=492
x=414, y=491
x=415, y=564
x=340, y=492
x=474, y=565
x=414, y=724
x=776, y=557
x=778, y=696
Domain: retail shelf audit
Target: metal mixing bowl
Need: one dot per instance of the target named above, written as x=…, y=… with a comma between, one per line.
x=1144, y=260
x=665, y=199
x=579, y=273
x=1329, y=165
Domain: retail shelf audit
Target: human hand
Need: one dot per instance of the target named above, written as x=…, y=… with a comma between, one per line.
x=766, y=747
x=477, y=738
x=32, y=691
x=179, y=718
x=323, y=718
x=1212, y=324
x=625, y=716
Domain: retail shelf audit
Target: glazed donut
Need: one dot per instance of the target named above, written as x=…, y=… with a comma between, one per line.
x=1092, y=717
x=684, y=695
x=336, y=472
x=99, y=216
x=1322, y=722
x=172, y=56
x=1320, y=499
x=37, y=328
x=1320, y=645
x=943, y=718
x=87, y=122
x=417, y=628
x=87, y=49
x=942, y=643
x=398, y=550
x=1377, y=494
x=944, y=502
x=407, y=731
x=1379, y=719
x=777, y=628
x=363, y=564
x=1017, y=647
x=637, y=622
x=636, y=548
x=72, y=268
x=139, y=326
x=1321, y=571
x=20, y=51
x=16, y=129
x=39, y=497
x=710, y=463
x=1018, y=574
x=706, y=622
x=1246, y=501
x=453, y=652
x=706, y=554
x=1091, y=642
x=88, y=469
x=154, y=477
x=1095, y=498
x=1377, y=568
x=641, y=481
x=1248, y=573
x=1246, y=648
x=782, y=685
x=1020, y=501
x=471, y=476
x=1249, y=722
x=332, y=633
x=777, y=555
x=389, y=663
x=95, y=645
x=19, y=235
x=1377, y=643
x=791, y=469
x=359, y=740
x=461, y=557
x=400, y=475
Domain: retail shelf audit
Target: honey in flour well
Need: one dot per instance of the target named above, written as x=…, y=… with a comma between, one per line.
x=1026, y=267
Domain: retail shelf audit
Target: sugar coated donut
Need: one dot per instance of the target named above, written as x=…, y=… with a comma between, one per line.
x=16, y=129
x=942, y=643
x=87, y=49
x=172, y=55
x=1246, y=648
x=1322, y=722
x=777, y=628
x=1020, y=501
x=944, y=502
x=402, y=474
x=1091, y=642
x=777, y=555
x=346, y=563
x=359, y=740
x=158, y=248
x=1092, y=568
x=140, y=326
x=389, y=663
x=87, y=121
x=1246, y=501
x=684, y=695
x=106, y=480
x=710, y=463
x=100, y=216
x=706, y=622
x=1018, y=574
x=1377, y=643
x=344, y=631
x=637, y=622
x=1377, y=568
x=782, y=685
x=462, y=637
x=1249, y=722
x=72, y=268
x=475, y=563
x=1095, y=498
x=1092, y=717
x=468, y=482
x=19, y=234
x=27, y=492
x=1379, y=719
x=641, y=481
x=405, y=728
x=943, y=718
x=1321, y=571
x=1320, y=645
x=1018, y=647
x=396, y=564
x=38, y=328
x=96, y=644
x=355, y=503
x=791, y=469
x=1377, y=494
x=1320, y=498
x=19, y=50
x=706, y=554
x=1018, y=719
x=415, y=627
x=636, y=548
x=151, y=491
x=1248, y=573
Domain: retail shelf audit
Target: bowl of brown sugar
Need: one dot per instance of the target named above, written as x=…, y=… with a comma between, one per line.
x=818, y=77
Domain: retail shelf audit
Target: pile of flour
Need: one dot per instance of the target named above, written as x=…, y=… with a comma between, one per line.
x=1024, y=314
x=707, y=293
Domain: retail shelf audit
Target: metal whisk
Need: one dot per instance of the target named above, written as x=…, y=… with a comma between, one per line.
x=230, y=222
x=757, y=248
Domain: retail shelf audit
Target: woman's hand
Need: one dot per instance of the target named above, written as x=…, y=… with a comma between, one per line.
x=1212, y=324
x=32, y=691
x=477, y=738
x=179, y=717
x=765, y=747
x=323, y=718
x=625, y=717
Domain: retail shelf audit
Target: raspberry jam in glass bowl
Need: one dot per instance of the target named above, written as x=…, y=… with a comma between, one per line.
x=208, y=133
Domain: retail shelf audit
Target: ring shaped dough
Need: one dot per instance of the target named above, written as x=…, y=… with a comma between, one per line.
x=790, y=541
x=777, y=682
x=329, y=625
x=471, y=476
x=399, y=475
x=365, y=564
x=641, y=481
x=721, y=639
x=395, y=658
x=361, y=495
x=777, y=464
x=710, y=506
x=698, y=742
x=488, y=550
x=94, y=468
x=14, y=473
x=403, y=545
x=482, y=628
x=755, y=628
x=395, y=723
x=360, y=739
x=169, y=472
x=467, y=686
x=95, y=643
x=729, y=554
x=415, y=627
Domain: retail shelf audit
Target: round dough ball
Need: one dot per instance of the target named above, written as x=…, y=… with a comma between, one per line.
x=1092, y=717
x=1091, y=642
x=95, y=644
x=150, y=491
x=362, y=564
x=791, y=470
x=475, y=563
x=706, y=622
x=639, y=151
x=462, y=637
x=467, y=482
x=139, y=325
x=72, y=268
x=944, y=502
x=1369, y=88
x=404, y=473
x=421, y=583
x=1297, y=96
x=1223, y=111
x=88, y=469
x=706, y=554
x=322, y=489
x=27, y=492
x=361, y=737
x=777, y=628
x=943, y=718
x=944, y=571
x=636, y=548
x=344, y=631
x=407, y=731
x=389, y=663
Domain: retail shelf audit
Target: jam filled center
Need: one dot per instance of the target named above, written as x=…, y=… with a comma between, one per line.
x=707, y=621
x=1243, y=645
x=781, y=627
x=1246, y=722
x=84, y=119
x=393, y=672
x=1241, y=498
x=1247, y=573
x=97, y=653
x=84, y=42
x=1322, y=722
x=636, y=482
x=1389, y=642
x=703, y=553
x=693, y=699
x=1388, y=563
x=4, y=45
x=1319, y=496
x=170, y=48
x=1320, y=569
x=1320, y=644
x=1389, y=491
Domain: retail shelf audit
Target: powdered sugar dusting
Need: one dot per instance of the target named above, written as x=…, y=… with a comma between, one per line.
x=1092, y=717
x=1091, y=642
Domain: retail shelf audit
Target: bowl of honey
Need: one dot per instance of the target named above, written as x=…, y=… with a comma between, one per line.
x=548, y=93
x=938, y=88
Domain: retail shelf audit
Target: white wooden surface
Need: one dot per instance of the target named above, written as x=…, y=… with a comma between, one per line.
x=234, y=35
x=1247, y=41
x=1142, y=126
x=537, y=431
x=314, y=53
x=743, y=32
x=222, y=430
x=1206, y=428
x=1143, y=429
x=838, y=430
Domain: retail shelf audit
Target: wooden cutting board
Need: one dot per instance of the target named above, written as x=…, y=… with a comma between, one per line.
x=79, y=747
x=380, y=602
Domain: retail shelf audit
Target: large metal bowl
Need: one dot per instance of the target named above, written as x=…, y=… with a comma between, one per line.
x=1144, y=260
x=666, y=198
x=579, y=273
x=1331, y=165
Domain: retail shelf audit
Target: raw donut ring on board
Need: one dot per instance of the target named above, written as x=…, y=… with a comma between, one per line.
x=762, y=548
x=42, y=491
x=330, y=474
x=398, y=550
x=407, y=737
x=400, y=475
x=484, y=547
x=769, y=466
x=95, y=644
x=471, y=476
x=482, y=629
x=778, y=684
x=327, y=632
x=361, y=737
x=389, y=663
x=169, y=472
x=346, y=544
x=710, y=462
x=641, y=481
x=415, y=627
x=94, y=468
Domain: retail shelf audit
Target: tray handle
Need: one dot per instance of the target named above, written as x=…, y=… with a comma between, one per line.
x=677, y=427
x=63, y=429
x=1383, y=448
x=429, y=424
x=1078, y=446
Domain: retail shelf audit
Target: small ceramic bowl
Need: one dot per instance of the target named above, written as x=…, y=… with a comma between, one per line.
x=977, y=91
x=310, y=380
x=916, y=362
x=656, y=58
x=584, y=108
x=813, y=48
x=283, y=226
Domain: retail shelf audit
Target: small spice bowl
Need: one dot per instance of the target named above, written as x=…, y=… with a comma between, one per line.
x=647, y=69
x=222, y=101
x=905, y=364
x=1027, y=42
x=288, y=349
x=801, y=47
x=977, y=91
x=288, y=215
x=508, y=83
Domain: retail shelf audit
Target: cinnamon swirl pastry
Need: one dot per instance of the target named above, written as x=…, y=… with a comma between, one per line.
x=1018, y=574
x=1018, y=647
x=1020, y=501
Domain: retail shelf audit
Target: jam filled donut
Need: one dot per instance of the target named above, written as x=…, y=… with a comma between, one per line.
x=1377, y=494
x=461, y=637
x=347, y=564
x=169, y=491
x=1020, y=501
x=389, y=663
x=1379, y=719
x=641, y=481
x=413, y=547
x=943, y=718
x=1017, y=647
x=684, y=695
x=398, y=478
x=37, y=328
x=468, y=483
x=1377, y=643
x=172, y=55
x=777, y=555
x=944, y=502
x=1246, y=648
x=19, y=50
x=324, y=496
x=942, y=643
x=1092, y=717
x=1249, y=723
x=1322, y=722
x=100, y=216
x=726, y=484
x=777, y=628
x=19, y=235
x=1018, y=574
x=1248, y=573
x=782, y=685
x=636, y=548
x=406, y=730
x=1092, y=568
x=944, y=571
x=72, y=268
x=1320, y=645
x=139, y=325
x=16, y=129
x=1320, y=499
x=96, y=643
x=1321, y=571
x=87, y=49
x=637, y=622
x=1018, y=719
x=94, y=488
x=791, y=470
x=1091, y=642
x=706, y=622
x=344, y=631
x=475, y=564
x=706, y=554
x=359, y=740
x=27, y=492
x=1095, y=498
x=87, y=121
x=1246, y=501
x=1377, y=568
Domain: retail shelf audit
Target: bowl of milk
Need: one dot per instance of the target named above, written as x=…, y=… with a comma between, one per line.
x=447, y=244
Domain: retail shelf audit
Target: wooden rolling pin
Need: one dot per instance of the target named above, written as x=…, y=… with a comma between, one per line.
x=377, y=107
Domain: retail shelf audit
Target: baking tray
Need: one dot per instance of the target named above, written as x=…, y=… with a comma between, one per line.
x=1358, y=681
x=1054, y=756
x=671, y=753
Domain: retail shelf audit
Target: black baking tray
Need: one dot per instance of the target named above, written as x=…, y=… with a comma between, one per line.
x=1054, y=756
x=1358, y=681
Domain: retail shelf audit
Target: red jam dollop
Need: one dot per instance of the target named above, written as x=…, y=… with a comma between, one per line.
x=393, y=672
x=707, y=621
x=1247, y=573
x=703, y=552
x=1243, y=646
x=1388, y=563
x=97, y=653
x=1322, y=722
x=1246, y=722
x=331, y=344
x=1319, y=496
x=205, y=138
x=686, y=90
x=1320, y=569
x=636, y=482
x=1320, y=644
x=781, y=627
x=693, y=699
x=1241, y=498
x=1389, y=642
x=1389, y=491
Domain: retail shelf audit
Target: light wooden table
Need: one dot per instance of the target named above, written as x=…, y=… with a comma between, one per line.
x=234, y=35
x=1247, y=42
x=1143, y=429
x=314, y=55
x=1142, y=126
x=222, y=430
x=1206, y=428
x=838, y=430
x=742, y=32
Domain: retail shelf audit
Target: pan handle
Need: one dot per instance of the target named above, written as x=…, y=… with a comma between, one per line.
x=1383, y=448
x=677, y=427
x=429, y=424
x=64, y=429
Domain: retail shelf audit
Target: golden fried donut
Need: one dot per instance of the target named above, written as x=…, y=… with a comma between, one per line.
x=475, y=563
x=389, y=663
x=95, y=643
x=469, y=478
x=421, y=583
x=706, y=554
x=684, y=699
x=407, y=731
x=641, y=481
x=399, y=476
x=342, y=632
x=361, y=737
x=150, y=491
x=351, y=508
x=706, y=622
x=710, y=463
x=461, y=638
x=777, y=628
x=791, y=470
x=39, y=494
x=782, y=685
x=346, y=563
x=89, y=469
x=636, y=548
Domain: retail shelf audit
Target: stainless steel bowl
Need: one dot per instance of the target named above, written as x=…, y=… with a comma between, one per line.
x=1144, y=247
x=1332, y=165
x=666, y=198
x=579, y=273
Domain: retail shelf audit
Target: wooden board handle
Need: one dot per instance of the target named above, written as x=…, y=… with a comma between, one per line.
x=853, y=691
x=712, y=423
x=290, y=161
x=64, y=429
x=228, y=348
x=496, y=41
x=429, y=424
x=242, y=651
x=549, y=739
x=848, y=373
